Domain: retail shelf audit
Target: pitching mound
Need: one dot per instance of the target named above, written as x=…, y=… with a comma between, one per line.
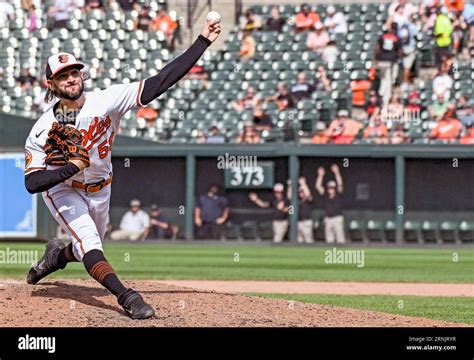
x=85, y=303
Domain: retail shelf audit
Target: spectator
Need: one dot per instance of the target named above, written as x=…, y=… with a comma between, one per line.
x=394, y=111
x=459, y=30
x=429, y=13
x=330, y=53
x=335, y=22
x=442, y=84
x=373, y=103
x=467, y=117
x=60, y=13
x=160, y=225
x=128, y=5
x=148, y=114
x=322, y=82
x=144, y=22
x=343, y=130
x=318, y=38
x=261, y=119
x=438, y=108
x=249, y=101
x=210, y=213
x=214, y=136
x=251, y=21
x=306, y=19
x=448, y=128
x=201, y=137
x=275, y=22
x=279, y=205
x=249, y=135
x=376, y=130
x=332, y=205
x=398, y=134
x=135, y=224
x=198, y=72
x=302, y=89
x=463, y=104
x=283, y=98
x=305, y=211
x=26, y=80
x=387, y=53
x=248, y=46
x=319, y=135
x=407, y=32
x=39, y=104
x=413, y=109
x=407, y=11
x=443, y=30
x=94, y=5
x=26, y=4
x=468, y=138
x=7, y=13
x=33, y=22
x=166, y=25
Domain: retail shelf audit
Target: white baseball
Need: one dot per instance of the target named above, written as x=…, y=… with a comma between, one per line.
x=214, y=17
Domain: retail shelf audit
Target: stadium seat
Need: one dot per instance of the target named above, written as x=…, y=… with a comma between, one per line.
x=249, y=230
x=375, y=231
x=265, y=230
x=356, y=231
x=412, y=231
x=231, y=231
x=466, y=232
x=448, y=231
x=389, y=231
x=430, y=231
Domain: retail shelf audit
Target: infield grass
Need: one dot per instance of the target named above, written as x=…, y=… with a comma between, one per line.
x=250, y=262
x=455, y=309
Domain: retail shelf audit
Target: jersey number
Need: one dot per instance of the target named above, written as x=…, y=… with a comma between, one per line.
x=105, y=146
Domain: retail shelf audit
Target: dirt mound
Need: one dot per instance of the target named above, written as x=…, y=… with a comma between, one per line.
x=85, y=303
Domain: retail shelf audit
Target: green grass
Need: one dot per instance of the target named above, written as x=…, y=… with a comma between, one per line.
x=182, y=261
x=455, y=309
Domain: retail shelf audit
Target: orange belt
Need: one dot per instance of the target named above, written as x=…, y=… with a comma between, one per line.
x=94, y=187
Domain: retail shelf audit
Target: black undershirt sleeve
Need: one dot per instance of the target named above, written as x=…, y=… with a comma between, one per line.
x=174, y=71
x=43, y=180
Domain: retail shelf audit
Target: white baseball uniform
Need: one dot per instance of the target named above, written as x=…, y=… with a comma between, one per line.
x=83, y=215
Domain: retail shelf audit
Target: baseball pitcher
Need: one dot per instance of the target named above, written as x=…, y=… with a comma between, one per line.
x=68, y=160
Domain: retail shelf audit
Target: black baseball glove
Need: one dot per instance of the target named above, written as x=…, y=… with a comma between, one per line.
x=64, y=144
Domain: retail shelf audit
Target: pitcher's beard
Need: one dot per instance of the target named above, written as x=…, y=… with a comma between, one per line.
x=68, y=95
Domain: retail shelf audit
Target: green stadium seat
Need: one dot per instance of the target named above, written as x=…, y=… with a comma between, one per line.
x=265, y=230
x=375, y=231
x=390, y=231
x=249, y=230
x=231, y=231
x=448, y=231
x=430, y=231
x=466, y=232
x=356, y=231
x=412, y=231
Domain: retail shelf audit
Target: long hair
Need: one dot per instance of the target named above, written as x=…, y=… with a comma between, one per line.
x=49, y=96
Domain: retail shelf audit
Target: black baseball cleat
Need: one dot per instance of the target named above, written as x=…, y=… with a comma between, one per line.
x=134, y=305
x=47, y=264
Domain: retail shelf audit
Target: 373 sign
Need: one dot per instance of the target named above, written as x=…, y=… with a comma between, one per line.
x=250, y=177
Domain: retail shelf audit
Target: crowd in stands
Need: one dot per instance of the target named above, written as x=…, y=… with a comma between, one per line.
x=392, y=99
x=390, y=103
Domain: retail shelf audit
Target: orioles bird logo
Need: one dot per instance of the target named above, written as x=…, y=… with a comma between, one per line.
x=63, y=59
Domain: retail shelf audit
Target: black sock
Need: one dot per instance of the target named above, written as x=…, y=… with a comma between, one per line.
x=66, y=256
x=99, y=268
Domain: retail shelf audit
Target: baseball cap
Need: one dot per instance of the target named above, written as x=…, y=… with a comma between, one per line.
x=319, y=25
x=154, y=207
x=331, y=9
x=343, y=113
x=278, y=187
x=135, y=202
x=331, y=183
x=60, y=61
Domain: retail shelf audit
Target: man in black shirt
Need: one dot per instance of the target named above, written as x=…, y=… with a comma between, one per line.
x=279, y=204
x=332, y=205
x=275, y=22
x=388, y=51
x=210, y=213
x=302, y=89
x=160, y=225
x=144, y=20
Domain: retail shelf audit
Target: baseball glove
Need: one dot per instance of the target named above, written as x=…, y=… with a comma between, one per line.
x=64, y=144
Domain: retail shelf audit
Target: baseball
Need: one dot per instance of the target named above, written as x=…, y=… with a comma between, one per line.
x=213, y=16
